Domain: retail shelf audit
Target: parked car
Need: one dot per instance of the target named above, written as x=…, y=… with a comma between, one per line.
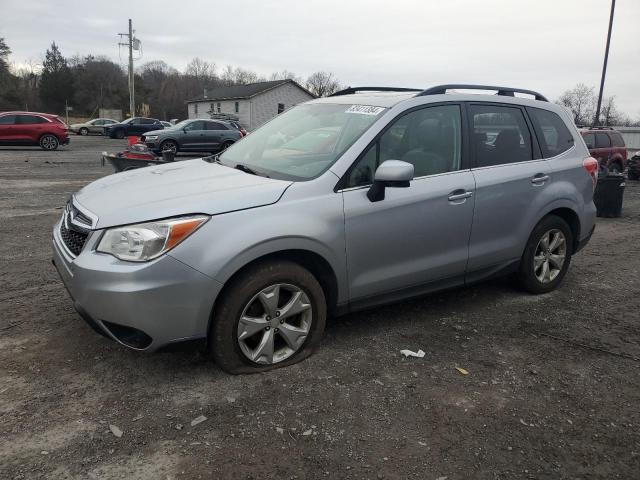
x=197, y=135
x=97, y=125
x=32, y=128
x=402, y=196
x=607, y=146
x=132, y=126
x=166, y=124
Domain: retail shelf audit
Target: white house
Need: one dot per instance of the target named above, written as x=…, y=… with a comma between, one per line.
x=253, y=104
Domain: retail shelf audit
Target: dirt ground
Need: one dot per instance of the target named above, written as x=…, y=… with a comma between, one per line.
x=531, y=406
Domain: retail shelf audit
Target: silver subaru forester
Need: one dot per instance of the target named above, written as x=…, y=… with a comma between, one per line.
x=369, y=196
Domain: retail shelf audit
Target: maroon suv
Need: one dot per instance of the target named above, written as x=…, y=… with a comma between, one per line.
x=31, y=128
x=607, y=146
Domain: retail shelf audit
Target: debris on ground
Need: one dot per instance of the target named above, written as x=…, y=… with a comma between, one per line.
x=115, y=430
x=198, y=420
x=410, y=353
x=462, y=371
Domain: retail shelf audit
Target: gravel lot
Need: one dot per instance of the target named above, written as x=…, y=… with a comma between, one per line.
x=531, y=406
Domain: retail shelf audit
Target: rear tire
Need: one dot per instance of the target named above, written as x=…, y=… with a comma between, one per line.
x=547, y=256
x=49, y=142
x=272, y=335
x=633, y=175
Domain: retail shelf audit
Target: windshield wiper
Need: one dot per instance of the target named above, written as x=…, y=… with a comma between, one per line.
x=245, y=169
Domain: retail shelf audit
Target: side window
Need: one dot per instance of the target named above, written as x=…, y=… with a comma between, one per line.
x=590, y=140
x=98, y=122
x=429, y=139
x=216, y=126
x=8, y=120
x=617, y=139
x=553, y=135
x=29, y=119
x=602, y=140
x=499, y=135
x=199, y=125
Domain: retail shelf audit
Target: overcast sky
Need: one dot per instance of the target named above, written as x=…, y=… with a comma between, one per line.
x=545, y=45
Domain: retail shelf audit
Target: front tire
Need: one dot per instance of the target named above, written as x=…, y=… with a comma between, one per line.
x=270, y=316
x=547, y=256
x=169, y=145
x=49, y=142
x=83, y=131
x=119, y=134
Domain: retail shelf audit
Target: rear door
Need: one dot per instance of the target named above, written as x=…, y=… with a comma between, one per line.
x=217, y=133
x=29, y=128
x=7, y=128
x=602, y=152
x=511, y=177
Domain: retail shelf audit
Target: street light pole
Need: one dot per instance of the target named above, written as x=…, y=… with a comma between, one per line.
x=596, y=120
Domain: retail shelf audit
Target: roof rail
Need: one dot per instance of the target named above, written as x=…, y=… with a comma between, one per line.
x=350, y=90
x=505, y=91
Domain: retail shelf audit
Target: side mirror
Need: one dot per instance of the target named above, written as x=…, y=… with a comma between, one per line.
x=391, y=173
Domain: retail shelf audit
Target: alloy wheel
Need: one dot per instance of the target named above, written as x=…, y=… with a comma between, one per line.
x=49, y=142
x=550, y=255
x=274, y=324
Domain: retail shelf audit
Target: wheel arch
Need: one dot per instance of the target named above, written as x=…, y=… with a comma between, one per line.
x=319, y=267
x=570, y=216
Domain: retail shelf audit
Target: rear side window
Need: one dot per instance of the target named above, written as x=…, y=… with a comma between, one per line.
x=589, y=139
x=553, y=135
x=500, y=135
x=30, y=119
x=617, y=139
x=8, y=120
x=602, y=140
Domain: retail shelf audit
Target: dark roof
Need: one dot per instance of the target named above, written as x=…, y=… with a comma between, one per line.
x=249, y=90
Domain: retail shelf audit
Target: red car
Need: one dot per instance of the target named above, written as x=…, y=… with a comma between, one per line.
x=607, y=146
x=31, y=128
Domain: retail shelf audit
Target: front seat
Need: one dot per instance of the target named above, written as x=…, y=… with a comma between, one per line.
x=507, y=147
x=426, y=158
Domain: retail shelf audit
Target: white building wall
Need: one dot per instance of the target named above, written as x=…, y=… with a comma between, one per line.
x=265, y=105
x=255, y=111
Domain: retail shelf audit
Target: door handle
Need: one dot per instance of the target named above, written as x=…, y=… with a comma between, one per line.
x=459, y=195
x=539, y=179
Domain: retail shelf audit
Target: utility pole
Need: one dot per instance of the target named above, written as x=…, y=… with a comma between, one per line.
x=596, y=120
x=129, y=44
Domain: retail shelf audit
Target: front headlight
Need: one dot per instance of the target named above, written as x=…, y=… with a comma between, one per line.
x=146, y=241
x=151, y=137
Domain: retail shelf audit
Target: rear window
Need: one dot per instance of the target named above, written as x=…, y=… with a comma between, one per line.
x=617, y=139
x=602, y=140
x=553, y=135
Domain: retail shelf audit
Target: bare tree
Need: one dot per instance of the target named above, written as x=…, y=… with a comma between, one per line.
x=581, y=100
x=322, y=84
x=285, y=75
x=201, y=69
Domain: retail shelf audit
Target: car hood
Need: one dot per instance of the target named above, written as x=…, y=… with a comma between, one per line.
x=155, y=132
x=192, y=186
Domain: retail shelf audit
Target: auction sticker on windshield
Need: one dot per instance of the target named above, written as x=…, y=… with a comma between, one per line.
x=364, y=109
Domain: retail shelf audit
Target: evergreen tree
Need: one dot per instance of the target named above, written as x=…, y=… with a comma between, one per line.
x=56, y=83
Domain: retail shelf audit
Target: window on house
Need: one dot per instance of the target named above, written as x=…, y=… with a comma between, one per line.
x=280, y=108
x=237, y=109
x=219, y=107
x=195, y=108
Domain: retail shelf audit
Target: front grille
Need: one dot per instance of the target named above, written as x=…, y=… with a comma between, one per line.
x=73, y=238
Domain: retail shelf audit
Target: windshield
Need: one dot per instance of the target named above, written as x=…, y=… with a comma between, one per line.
x=128, y=120
x=303, y=142
x=181, y=124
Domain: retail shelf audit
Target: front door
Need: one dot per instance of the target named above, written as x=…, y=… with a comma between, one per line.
x=417, y=238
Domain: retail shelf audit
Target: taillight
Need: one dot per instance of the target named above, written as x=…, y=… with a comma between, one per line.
x=590, y=164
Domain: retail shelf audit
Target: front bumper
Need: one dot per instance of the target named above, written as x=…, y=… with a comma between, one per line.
x=65, y=141
x=143, y=306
